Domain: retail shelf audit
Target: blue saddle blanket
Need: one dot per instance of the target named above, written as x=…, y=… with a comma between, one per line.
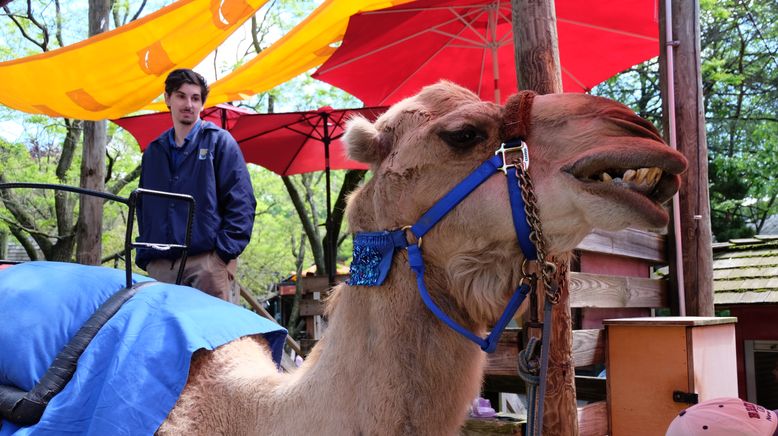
x=131, y=374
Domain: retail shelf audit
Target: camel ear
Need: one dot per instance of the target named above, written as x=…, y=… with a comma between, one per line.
x=363, y=142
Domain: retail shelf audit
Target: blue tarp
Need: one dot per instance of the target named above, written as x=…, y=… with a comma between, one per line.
x=131, y=374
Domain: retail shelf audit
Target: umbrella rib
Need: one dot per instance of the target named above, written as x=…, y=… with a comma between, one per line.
x=414, y=10
x=503, y=15
x=275, y=129
x=408, y=77
x=481, y=73
x=264, y=132
x=469, y=24
x=607, y=29
x=575, y=79
x=382, y=48
x=297, y=152
x=304, y=132
x=482, y=42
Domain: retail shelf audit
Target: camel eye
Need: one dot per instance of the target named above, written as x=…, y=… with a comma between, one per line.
x=463, y=138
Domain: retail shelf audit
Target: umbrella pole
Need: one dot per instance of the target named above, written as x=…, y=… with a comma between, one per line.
x=329, y=257
x=492, y=38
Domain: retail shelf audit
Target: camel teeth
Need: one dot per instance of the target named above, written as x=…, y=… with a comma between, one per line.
x=641, y=176
x=605, y=177
x=629, y=175
x=655, y=175
x=652, y=176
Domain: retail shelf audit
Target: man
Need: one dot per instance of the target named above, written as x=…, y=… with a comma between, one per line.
x=197, y=158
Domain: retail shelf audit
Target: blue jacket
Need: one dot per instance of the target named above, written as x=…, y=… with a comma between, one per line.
x=210, y=168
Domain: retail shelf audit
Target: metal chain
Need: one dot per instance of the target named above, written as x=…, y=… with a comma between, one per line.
x=547, y=268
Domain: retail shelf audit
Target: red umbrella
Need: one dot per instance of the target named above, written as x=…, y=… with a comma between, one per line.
x=298, y=142
x=146, y=128
x=390, y=54
x=301, y=142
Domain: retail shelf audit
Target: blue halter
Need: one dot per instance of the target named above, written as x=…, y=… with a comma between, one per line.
x=373, y=251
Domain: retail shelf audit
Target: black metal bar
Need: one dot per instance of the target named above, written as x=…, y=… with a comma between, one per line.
x=131, y=203
x=77, y=190
x=188, y=235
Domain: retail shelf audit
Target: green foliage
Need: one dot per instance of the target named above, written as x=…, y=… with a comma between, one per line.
x=740, y=86
x=740, y=78
x=269, y=257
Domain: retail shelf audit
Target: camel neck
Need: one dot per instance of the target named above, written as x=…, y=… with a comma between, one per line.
x=407, y=360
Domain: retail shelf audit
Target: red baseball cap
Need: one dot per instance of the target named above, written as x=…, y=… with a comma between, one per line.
x=725, y=417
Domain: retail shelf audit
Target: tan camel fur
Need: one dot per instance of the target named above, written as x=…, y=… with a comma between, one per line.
x=386, y=365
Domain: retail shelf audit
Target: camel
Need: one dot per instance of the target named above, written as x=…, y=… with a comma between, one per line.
x=386, y=365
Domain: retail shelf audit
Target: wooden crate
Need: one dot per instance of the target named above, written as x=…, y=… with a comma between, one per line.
x=649, y=359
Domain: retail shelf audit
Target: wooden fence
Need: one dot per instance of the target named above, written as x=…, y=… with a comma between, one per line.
x=611, y=277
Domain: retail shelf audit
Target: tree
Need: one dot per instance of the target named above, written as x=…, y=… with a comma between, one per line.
x=89, y=230
x=38, y=27
x=741, y=82
x=740, y=85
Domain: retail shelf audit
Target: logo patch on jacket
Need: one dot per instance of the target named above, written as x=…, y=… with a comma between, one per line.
x=203, y=154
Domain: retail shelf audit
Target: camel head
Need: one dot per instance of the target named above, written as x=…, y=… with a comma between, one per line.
x=593, y=163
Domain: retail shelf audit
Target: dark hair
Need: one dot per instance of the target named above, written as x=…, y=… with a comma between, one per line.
x=176, y=78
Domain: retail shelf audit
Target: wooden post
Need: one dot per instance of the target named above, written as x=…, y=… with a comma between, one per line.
x=89, y=245
x=694, y=204
x=538, y=69
x=3, y=244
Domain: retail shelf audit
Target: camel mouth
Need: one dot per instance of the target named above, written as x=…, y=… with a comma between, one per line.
x=641, y=180
x=650, y=182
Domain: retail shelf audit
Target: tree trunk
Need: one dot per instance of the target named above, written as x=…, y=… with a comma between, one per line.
x=538, y=69
x=694, y=205
x=90, y=215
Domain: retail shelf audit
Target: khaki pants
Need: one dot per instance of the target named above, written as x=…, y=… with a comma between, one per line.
x=206, y=272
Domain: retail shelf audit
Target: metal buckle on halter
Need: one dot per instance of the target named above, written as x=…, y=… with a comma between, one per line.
x=503, y=150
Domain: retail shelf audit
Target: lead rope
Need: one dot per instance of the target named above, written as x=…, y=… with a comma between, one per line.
x=532, y=370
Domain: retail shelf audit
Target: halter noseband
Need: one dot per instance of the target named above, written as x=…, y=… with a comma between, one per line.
x=373, y=251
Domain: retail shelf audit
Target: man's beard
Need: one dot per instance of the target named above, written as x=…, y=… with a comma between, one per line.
x=187, y=118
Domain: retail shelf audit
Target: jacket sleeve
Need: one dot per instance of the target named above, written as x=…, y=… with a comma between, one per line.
x=237, y=204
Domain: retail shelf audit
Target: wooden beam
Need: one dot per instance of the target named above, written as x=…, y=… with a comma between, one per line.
x=587, y=388
x=593, y=419
x=491, y=427
x=588, y=349
x=319, y=283
x=538, y=69
x=632, y=243
x=597, y=290
x=311, y=307
x=693, y=203
x=249, y=297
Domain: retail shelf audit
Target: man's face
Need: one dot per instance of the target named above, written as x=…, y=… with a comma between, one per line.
x=185, y=103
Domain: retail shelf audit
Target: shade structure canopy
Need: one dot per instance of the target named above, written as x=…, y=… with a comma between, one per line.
x=297, y=142
x=146, y=128
x=118, y=72
x=390, y=54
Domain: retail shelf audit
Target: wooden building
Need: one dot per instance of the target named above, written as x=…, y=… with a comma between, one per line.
x=745, y=283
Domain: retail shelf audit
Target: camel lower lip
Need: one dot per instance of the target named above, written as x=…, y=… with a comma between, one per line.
x=652, y=210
